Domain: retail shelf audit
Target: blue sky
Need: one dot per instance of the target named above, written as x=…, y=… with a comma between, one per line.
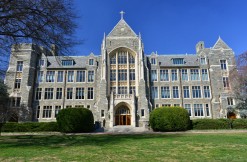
x=167, y=26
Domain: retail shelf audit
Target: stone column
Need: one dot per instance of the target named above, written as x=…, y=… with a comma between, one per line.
x=111, y=111
x=116, y=72
x=133, y=111
x=128, y=72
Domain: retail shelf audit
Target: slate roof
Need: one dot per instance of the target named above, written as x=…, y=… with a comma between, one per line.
x=190, y=60
x=56, y=61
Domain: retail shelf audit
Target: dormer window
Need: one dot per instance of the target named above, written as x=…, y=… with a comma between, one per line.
x=153, y=61
x=91, y=61
x=203, y=61
x=67, y=62
x=178, y=61
x=41, y=62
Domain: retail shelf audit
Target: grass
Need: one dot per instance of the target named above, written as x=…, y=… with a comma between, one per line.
x=148, y=147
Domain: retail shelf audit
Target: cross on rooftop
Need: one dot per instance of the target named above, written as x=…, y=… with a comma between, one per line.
x=122, y=13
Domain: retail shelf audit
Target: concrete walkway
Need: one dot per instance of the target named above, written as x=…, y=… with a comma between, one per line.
x=119, y=133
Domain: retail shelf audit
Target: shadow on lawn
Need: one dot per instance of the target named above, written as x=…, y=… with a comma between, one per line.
x=72, y=140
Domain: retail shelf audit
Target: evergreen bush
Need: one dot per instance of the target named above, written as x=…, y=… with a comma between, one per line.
x=30, y=127
x=201, y=124
x=239, y=124
x=75, y=120
x=169, y=119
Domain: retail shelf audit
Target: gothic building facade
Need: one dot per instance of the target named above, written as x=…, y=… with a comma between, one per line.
x=122, y=85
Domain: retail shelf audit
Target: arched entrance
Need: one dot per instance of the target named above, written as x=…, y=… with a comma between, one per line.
x=122, y=116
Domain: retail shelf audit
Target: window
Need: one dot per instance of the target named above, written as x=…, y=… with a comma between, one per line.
x=188, y=108
x=153, y=75
x=132, y=90
x=207, y=110
x=19, y=66
x=166, y=105
x=17, y=83
x=175, y=92
x=165, y=92
x=198, y=110
x=203, y=61
x=91, y=61
x=40, y=76
x=132, y=74
x=16, y=102
x=122, y=90
x=164, y=75
x=113, y=59
x=90, y=93
x=196, y=91
x=38, y=112
x=186, y=91
x=57, y=109
x=131, y=59
x=47, y=110
x=142, y=112
x=79, y=93
x=113, y=90
x=177, y=105
x=154, y=92
x=41, y=62
x=48, y=93
x=68, y=106
x=204, y=74
x=59, y=93
x=184, y=74
x=178, y=61
x=60, y=76
x=38, y=93
x=70, y=76
x=206, y=91
x=122, y=57
x=194, y=74
x=67, y=62
x=90, y=76
x=102, y=113
x=88, y=106
x=79, y=106
x=81, y=76
x=50, y=75
x=69, y=93
x=226, y=82
x=153, y=61
x=122, y=75
x=174, y=75
x=230, y=101
x=157, y=105
x=113, y=75
x=223, y=64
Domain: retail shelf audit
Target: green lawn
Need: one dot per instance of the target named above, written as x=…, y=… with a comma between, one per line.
x=159, y=147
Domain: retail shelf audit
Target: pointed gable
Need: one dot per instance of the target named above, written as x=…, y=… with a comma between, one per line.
x=122, y=29
x=220, y=44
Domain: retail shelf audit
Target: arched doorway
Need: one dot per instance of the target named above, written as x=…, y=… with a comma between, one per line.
x=122, y=116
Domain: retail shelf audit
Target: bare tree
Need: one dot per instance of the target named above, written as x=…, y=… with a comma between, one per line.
x=238, y=78
x=43, y=22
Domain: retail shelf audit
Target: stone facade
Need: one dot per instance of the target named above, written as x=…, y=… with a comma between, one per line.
x=122, y=85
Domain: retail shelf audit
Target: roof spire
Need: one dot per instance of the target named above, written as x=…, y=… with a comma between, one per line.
x=122, y=13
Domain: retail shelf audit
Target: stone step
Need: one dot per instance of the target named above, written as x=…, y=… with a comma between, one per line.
x=125, y=129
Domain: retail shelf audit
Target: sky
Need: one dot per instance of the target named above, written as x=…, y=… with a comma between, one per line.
x=166, y=26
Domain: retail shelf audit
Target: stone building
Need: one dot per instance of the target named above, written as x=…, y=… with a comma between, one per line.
x=122, y=85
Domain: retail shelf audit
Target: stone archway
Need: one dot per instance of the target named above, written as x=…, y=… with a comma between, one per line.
x=122, y=115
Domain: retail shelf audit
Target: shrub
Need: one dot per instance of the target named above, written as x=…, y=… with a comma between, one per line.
x=30, y=127
x=73, y=120
x=239, y=124
x=169, y=119
x=200, y=124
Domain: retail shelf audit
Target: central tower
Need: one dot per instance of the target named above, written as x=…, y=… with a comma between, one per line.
x=124, y=71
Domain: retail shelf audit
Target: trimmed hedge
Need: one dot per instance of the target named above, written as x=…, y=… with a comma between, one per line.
x=200, y=124
x=75, y=120
x=30, y=127
x=239, y=124
x=169, y=119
